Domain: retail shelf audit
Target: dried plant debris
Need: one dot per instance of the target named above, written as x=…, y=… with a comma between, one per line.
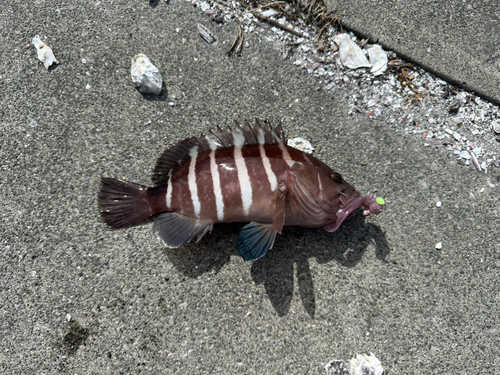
x=206, y=34
x=410, y=100
x=238, y=42
x=44, y=52
x=146, y=76
x=362, y=364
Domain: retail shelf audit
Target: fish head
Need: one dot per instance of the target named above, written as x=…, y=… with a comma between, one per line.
x=324, y=198
x=334, y=192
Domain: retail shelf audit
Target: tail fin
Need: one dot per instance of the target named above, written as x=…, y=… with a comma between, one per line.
x=122, y=204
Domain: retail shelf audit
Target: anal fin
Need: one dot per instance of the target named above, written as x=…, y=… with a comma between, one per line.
x=174, y=230
x=255, y=240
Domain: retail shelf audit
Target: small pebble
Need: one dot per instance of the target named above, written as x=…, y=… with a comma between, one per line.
x=439, y=246
x=439, y=204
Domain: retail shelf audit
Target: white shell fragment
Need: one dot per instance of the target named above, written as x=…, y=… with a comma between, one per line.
x=145, y=75
x=378, y=59
x=301, y=144
x=475, y=162
x=362, y=364
x=269, y=13
x=438, y=246
x=351, y=55
x=206, y=34
x=496, y=127
x=44, y=52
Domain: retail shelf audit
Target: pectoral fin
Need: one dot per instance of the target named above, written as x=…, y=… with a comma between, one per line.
x=255, y=240
x=279, y=209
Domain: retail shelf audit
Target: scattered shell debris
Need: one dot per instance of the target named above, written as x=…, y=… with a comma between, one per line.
x=409, y=99
x=146, y=76
x=362, y=364
x=44, y=52
x=206, y=34
x=301, y=144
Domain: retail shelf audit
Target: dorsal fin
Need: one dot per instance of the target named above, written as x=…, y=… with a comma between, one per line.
x=177, y=155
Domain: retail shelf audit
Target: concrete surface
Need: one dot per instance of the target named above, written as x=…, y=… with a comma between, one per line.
x=456, y=40
x=78, y=299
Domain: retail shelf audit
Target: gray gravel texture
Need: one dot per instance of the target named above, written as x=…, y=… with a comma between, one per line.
x=79, y=299
x=457, y=40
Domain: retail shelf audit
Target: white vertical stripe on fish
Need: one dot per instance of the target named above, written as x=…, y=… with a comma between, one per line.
x=216, y=183
x=244, y=179
x=271, y=177
x=286, y=155
x=193, y=188
x=169, y=191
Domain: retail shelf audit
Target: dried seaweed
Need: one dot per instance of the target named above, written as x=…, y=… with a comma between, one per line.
x=313, y=11
x=238, y=42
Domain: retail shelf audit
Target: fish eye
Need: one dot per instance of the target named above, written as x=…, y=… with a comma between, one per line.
x=337, y=178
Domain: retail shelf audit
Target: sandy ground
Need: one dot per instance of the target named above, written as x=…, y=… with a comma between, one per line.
x=78, y=299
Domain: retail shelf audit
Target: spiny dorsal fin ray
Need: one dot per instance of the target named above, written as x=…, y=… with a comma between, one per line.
x=177, y=155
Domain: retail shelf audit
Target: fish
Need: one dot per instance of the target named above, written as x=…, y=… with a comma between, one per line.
x=237, y=174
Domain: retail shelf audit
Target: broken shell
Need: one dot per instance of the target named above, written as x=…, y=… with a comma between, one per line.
x=366, y=364
x=351, y=55
x=269, y=13
x=206, y=34
x=301, y=144
x=378, y=59
x=44, y=52
x=145, y=75
x=438, y=246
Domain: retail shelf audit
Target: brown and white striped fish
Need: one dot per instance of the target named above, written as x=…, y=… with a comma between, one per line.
x=244, y=174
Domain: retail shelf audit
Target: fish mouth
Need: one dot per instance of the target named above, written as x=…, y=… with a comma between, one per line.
x=370, y=204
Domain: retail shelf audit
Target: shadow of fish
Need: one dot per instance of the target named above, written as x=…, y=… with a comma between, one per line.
x=239, y=174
